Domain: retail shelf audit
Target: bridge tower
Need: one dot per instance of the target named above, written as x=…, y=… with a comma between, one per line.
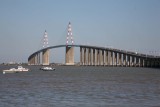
x=45, y=53
x=69, y=55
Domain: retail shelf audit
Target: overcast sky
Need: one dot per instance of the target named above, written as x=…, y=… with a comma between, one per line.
x=124, y=24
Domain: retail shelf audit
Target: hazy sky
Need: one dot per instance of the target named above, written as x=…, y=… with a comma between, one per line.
x=123, y=24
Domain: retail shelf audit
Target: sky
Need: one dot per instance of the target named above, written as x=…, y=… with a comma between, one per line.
x=132, y=25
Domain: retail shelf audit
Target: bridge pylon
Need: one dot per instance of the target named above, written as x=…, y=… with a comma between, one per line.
x=45, y=53
x=69, y=55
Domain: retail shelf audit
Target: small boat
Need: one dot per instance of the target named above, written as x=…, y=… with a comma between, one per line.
x=14, y=70
x=47, y=69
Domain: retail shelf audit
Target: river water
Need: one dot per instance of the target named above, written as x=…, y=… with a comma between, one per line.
x=70, y=86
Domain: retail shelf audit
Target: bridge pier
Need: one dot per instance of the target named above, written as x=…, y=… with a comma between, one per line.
x=119, y=59
x=109, y=58
x=100, y=57
x=33, y=60
x=93, y=57
x=133, y=61
x=106, y=58
x=81, y=56
x=115, y=58
x=89, y=56
x=69, y=55
x=37, y=59
x=137, y=61
x=97, y=57
x=124, y=60
x=141, y=62
x=45, y=57
x=85, y=56
x=128, y=61
x=103, y=57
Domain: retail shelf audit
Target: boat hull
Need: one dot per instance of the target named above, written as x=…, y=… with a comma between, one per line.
x=14, y=70
x=5, y=72
x=47, y=69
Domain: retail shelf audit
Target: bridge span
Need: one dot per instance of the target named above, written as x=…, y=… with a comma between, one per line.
x=97, y=56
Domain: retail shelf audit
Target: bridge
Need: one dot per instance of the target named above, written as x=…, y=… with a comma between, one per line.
x=95, y=56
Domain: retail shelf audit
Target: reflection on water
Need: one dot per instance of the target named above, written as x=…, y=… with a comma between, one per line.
x=81, y=87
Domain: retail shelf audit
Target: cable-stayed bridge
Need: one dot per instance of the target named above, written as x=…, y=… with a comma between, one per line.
x=94, y=55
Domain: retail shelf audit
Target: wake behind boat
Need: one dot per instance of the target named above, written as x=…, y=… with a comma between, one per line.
x=14, y=70
x=47, y=69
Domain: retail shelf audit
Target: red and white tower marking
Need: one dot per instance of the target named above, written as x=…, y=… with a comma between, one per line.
x=45, y=40
x=69, y=34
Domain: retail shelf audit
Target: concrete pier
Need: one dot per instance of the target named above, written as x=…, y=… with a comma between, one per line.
x=45, y=57
x=69, y=55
